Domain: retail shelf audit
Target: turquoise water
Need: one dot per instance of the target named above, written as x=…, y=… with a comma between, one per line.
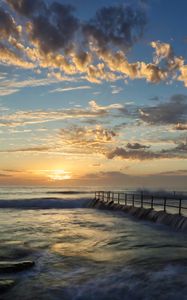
x=82, y=253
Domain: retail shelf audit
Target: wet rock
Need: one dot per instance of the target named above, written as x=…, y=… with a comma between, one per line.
x=6, y=284
x=8, y=267
x=14, y=252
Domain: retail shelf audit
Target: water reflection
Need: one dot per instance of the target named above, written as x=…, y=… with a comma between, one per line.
x=91, y=254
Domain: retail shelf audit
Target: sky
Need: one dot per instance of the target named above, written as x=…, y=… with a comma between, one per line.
x=93, y=93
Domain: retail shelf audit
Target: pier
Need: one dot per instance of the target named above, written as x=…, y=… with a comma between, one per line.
x=143, y=200
x=165, y=209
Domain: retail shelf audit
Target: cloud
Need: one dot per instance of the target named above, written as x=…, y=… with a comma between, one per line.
x=7, y=25
x=116, y=89
x=180, y=126
x=180, y=148
x=9, y=57
x=138, y=151
x=152, y=73
x=73, y=139
x=23, y=118
x=26, y=7
x=136, y=146
x=7, y=91
x=133, y=154
x=89, y=139
x=28, y=149
x=172, y=112
x=119, y=26
x=52, y=37
x=83, y=87
x=55, y=29
x=51, y=27
x=164, y=53
x=11, y=86
x=174, y=173
x=183, y=75
x=155, y=98
x=52, y=31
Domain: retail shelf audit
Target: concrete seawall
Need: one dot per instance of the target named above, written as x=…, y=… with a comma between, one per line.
x=175, y=221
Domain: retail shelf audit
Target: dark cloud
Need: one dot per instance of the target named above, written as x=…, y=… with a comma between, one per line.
x=119, y=26
x=11, y=171
x=28, y=149
x=27, y=7
x=133, y=154
x=138, y=152
x=172, y=112
x=173, y=173
x=53, y=26
x=136, y=146
x=120, y=126
x=181, y=147
x=180, y=126
x=7, y=25
x=5, y=175
x=156, y=98
x=55, y=29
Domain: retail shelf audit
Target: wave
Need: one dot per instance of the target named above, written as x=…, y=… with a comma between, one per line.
x=69, y=192
x=44, y=203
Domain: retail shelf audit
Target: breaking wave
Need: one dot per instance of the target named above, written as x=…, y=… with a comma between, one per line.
x=45, y=203
x=69, y=192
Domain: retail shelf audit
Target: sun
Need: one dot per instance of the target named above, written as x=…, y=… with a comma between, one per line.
x=59, y=175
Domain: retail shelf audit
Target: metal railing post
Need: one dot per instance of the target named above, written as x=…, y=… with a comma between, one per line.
x=180, y=206
x=141, y=199
x=165, y=199
x=125, y=199
x=133, y=200
x=118, y=198
x=113, y=196
x=108, y=196
x=152, y=200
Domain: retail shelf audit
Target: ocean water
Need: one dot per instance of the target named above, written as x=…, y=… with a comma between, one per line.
x=85, y=254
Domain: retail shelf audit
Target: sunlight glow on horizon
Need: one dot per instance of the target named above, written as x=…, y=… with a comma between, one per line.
x=58, y=175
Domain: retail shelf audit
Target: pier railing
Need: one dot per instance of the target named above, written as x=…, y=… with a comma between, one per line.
x=178, y=204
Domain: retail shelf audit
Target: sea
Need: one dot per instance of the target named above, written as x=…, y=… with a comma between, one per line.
x=81, y=253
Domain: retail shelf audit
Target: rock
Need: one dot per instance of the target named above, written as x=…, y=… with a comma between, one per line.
x=14, y=252
x=7, y=267
x=5, y=284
